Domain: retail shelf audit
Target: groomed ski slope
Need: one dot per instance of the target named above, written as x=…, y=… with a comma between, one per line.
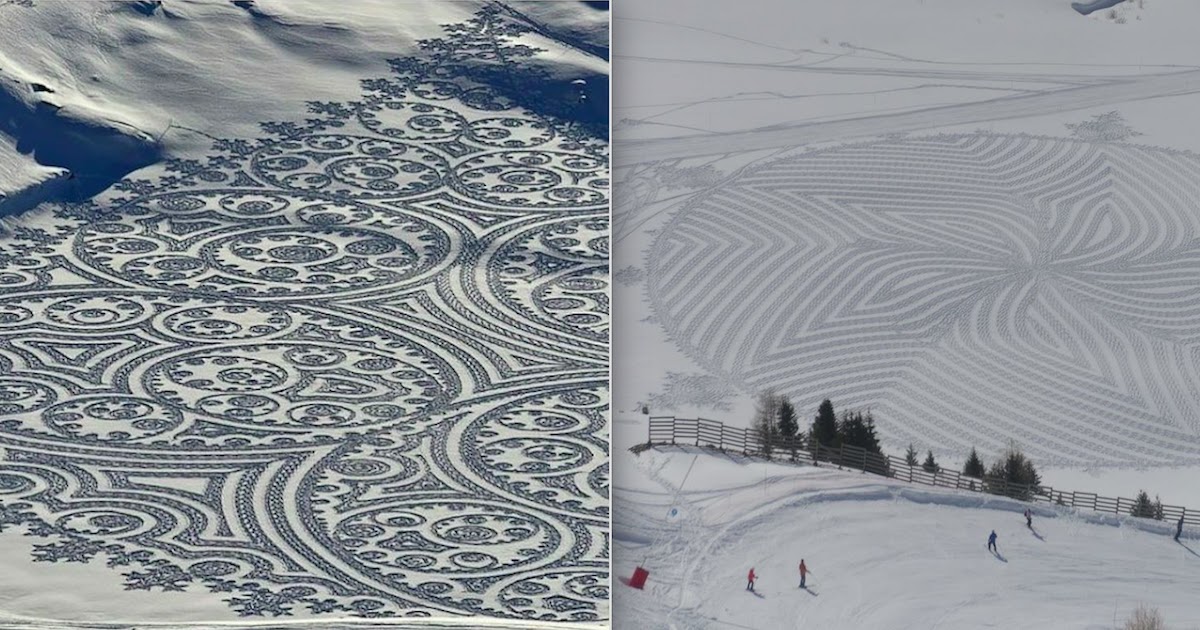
x=883, y=555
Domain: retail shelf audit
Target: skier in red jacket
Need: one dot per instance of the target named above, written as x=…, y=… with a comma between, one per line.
x=750, y=580
x=803, y=572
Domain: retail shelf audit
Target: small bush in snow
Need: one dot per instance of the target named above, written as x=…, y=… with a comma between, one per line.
x=1145, y=618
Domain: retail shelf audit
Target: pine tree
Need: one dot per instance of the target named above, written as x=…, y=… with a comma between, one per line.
x=870, y=437
x=824, y=427
x=1142, y=506
x=789, y=425
x=1158, y=508
x=881, y=464
x=930, y=465
x=850, y=428
x=1014, y=469
x=910, y=456
x=974, y=466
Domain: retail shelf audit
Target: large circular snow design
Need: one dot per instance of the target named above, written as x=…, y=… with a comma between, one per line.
x=970, y=288
x=348, y=368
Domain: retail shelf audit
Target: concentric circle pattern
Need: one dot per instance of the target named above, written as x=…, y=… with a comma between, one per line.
x=355, y=368
x=969, y=288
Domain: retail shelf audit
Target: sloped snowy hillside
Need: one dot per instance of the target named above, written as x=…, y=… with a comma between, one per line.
x=883, y=554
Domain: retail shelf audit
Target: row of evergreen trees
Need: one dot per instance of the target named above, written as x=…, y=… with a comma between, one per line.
x=1146, y=508
x=1013, y=472
x=777, y=426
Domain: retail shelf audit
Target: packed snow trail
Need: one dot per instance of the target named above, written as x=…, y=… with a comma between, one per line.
x=887, y=555
x=790, y=135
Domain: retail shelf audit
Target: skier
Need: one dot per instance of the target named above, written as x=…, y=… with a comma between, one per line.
x=1179, y=529
x=1028, y=518
x=803, y=572
x=992, y=542
x=750, y=580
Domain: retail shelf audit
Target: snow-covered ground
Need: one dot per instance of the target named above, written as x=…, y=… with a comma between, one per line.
x=320, y=330
x=883, y=554
x=983, y=233
x=116, y=85
x=977, y=220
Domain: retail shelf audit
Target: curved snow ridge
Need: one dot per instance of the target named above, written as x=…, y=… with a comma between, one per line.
x=949, y=498
x=1087, y=8
x=73, y=141
x=23, y=182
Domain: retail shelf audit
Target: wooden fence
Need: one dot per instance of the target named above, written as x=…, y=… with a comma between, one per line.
x=716, y=435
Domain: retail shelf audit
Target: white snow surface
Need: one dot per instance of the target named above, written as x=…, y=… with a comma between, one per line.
x=398, y=297
x=883, y=554
x=171, y=76
x=764, y=149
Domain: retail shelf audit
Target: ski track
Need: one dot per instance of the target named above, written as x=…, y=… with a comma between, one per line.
x=637, y=151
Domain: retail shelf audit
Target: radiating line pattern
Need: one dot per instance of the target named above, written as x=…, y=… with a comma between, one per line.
x=971, y=288
x=357, y=367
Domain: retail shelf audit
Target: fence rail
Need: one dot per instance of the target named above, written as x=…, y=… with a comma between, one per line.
x=716, y=435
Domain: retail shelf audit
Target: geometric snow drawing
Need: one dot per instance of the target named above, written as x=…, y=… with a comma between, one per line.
x=358, y=367
x=969, y=288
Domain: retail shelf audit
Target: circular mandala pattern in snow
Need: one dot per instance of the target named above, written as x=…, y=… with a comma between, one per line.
x=335, y=370
x=351, y=166
x=109, y=418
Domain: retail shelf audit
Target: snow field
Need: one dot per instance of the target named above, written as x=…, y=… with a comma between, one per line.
x=882, y=555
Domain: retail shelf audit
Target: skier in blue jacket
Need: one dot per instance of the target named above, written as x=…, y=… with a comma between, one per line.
x=992, y=542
